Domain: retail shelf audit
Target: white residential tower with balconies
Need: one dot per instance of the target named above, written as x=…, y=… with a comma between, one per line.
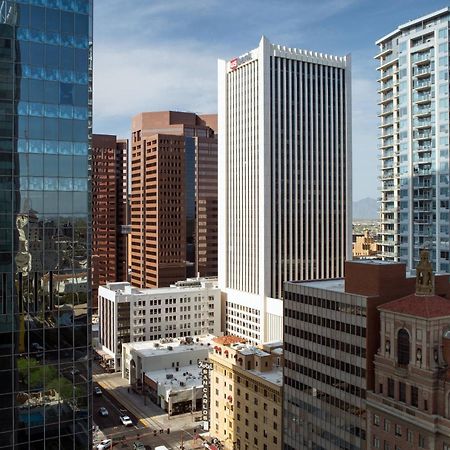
x=414, y=140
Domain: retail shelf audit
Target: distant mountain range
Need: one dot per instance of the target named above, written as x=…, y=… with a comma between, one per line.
x=366, y=208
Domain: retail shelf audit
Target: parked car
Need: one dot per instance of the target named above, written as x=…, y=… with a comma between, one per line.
x=103, y=412
x=97, y=390
x=138, y=445
x=105, y=444
x=126, y=421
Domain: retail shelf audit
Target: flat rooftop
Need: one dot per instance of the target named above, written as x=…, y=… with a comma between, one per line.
x=187, y=377
x=275, y=376
x=337, y=284
x=413, y=23
x=165, y=346
x=191, y=284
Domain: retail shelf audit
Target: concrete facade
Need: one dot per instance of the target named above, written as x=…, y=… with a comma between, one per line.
x=170, y=354
x=284, y=187
x=187, y=308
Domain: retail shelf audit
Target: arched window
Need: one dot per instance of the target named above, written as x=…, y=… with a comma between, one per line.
x=403, y=351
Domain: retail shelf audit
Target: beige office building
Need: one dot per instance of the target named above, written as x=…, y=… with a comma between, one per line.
x=365, y=245
x=246, y=394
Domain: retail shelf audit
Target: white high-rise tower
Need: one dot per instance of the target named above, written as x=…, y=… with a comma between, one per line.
x=284, y=180
x=414, y=140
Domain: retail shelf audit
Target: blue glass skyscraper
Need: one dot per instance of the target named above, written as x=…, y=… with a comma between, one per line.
x=45, y=305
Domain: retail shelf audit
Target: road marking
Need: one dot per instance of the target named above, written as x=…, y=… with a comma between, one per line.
x=146, y=422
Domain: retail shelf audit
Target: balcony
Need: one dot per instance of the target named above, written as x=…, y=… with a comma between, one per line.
x=386, y=86
x=387, y=132
x=422, y=40
x=422, y=111
x=422, y=98
x=423, y=233
x=384, y=50
x=386, y=99
x=386, y=110
x=422, y=58
x=387, y=61
x=388, y=154
x=389, y=209
x=423, y=148
x=423, y=135
x=422, y=71
x=386, y=122
x=422, y=123
x=422, y=85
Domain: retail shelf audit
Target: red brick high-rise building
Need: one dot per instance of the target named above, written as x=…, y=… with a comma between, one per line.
x=173, y=197
x=109, y=210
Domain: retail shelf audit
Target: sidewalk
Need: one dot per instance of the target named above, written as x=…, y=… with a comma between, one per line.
x=97, y=435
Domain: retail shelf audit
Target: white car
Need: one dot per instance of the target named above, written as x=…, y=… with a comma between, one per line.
x=126, y=421
x=105, y=444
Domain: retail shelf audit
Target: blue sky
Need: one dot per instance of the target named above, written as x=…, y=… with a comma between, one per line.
x=152, y=55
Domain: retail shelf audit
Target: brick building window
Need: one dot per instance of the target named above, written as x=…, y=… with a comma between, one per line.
x=414, y=396
x=410, y=436
x=391, y=387
x=403, y=347
x=421, y=441
x=402, y=392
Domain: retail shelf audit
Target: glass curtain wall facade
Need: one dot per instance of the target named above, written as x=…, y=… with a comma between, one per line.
x=414, y=140
x=45, y=104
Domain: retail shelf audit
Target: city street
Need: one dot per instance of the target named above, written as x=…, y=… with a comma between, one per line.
x=150, y=423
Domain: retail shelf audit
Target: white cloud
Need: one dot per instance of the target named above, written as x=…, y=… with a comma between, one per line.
x=130, y=80
x=152, y=57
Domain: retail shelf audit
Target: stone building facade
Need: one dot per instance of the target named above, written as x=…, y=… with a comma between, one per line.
x=410, y=404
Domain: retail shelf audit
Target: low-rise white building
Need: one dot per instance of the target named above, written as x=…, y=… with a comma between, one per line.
x=165, y=354
x=175, y=391
x=187, y=308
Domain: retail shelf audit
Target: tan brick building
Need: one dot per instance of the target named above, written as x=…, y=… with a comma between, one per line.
x=409, y=407
x=246, y=394
x=173, y=198
x=365, y=245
